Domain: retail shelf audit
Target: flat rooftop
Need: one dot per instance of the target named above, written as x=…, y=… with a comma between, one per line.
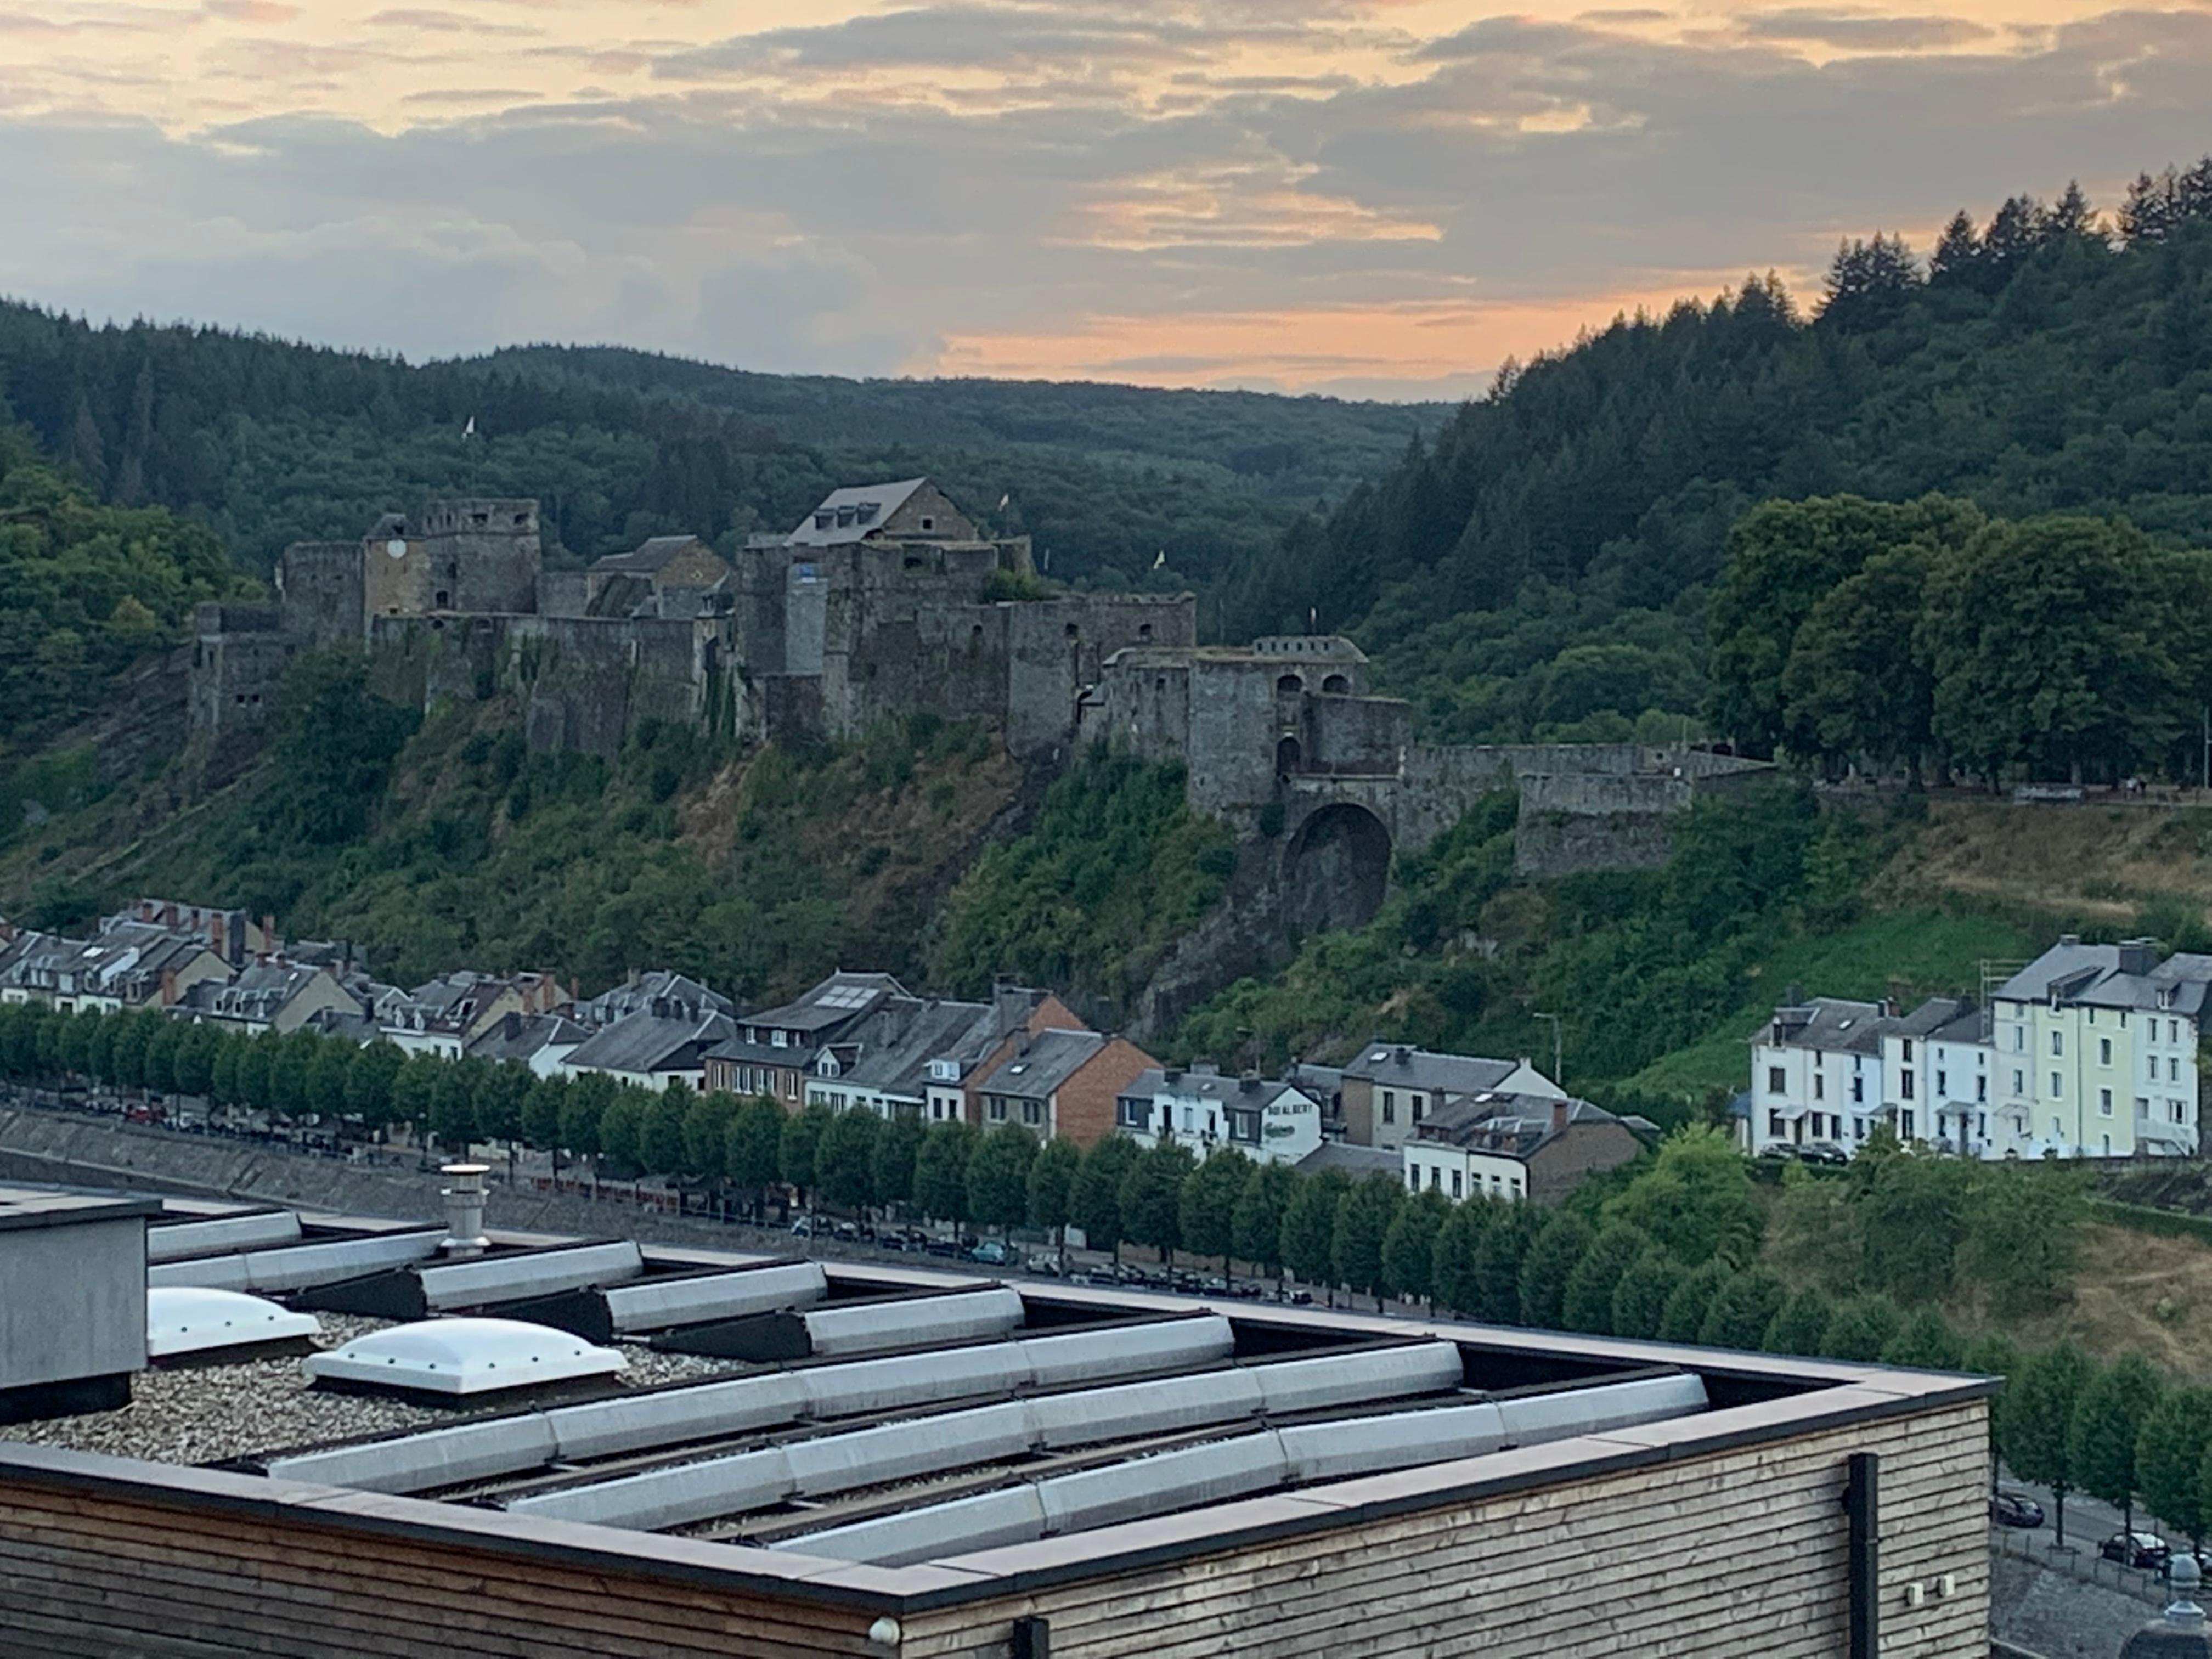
x=892, y=1436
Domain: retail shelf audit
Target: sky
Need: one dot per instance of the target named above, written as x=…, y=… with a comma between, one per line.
x=1364, y=197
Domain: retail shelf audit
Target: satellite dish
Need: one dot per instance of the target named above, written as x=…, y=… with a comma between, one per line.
x=397, y=547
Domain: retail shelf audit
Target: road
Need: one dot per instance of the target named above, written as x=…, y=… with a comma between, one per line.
x=2089, y=1521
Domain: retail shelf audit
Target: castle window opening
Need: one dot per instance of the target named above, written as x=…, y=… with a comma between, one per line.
x=1290, y=685
x=1072, y=631
x=521, y=519
x=913, y=561
x=1144, y=631
x=928, y=523
x=1336, y=683
x=443, y=599
x=480, y=518
x=1287, y=756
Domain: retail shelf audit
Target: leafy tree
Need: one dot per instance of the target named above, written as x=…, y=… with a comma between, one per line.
x=661, y=1148
x=1453, y=1277
x=2023, y=1237
x=369, y=1081
x=1256, y=1224
x=1053, y=1175
x=289, y=1058
x=2040, y=1405
x=1639, y=1299
x=257, y=1087
x=1363, y=1221
x=1309, y=1227
x=222, y=1072
x=940, y=1172
x=752, y=1147
x=1152, y=1196
x=158, y=1066
x=1208, y=1215
x=2107, y=1422
x=619, y=1126
x=1097, y=1201
x=1863, y=1327
x=1498, y=1256
x=891, y=1164
x=582, y=1113
x=1409, y=1248
x=1695, y=1199
x=329, y=1070
x=73, y=1044
x=334, y=744
x=1587, y=1303
x=1926, y=1341
x=797, y=1154
x=2170, y=1453
x=1992, y=1355
x=454, y=1111
x=1800, y=1326
x=1684, y=1315
x=501, y=1092
x=845, y=1158
x=1912, y=1216
x=414, y=1085
x=1742, y=1310
x=1553, y=1257
x=999, y=1177
x=99, y=1048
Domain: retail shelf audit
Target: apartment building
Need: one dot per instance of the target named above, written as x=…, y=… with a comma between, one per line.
x=1272, y=1123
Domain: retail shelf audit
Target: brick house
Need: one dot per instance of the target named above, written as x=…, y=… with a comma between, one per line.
x=1062, y=1082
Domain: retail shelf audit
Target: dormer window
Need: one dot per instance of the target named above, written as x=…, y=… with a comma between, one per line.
x=775, y=1040
x=824, y=520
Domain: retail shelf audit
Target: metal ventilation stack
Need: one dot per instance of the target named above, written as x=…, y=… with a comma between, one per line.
x=72, y=1300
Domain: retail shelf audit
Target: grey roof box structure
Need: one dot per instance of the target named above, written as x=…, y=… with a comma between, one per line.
x=853, y=513
x=656, y=1039
x=1403, y=1067
x=651, y=555
x=1039, y=1067
x=1834, y=1024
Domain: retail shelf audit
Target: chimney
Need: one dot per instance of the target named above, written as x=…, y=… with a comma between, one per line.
x=464, y=1210
x=660, y=1010
x=268, y=933
x=2138, y=956
x=1248, y=1083
x=1171, y=1074
x=168, y=988
x=145, y=909
x=510, y=1025
x=1403, y=1055
x=2070, y=939
x=1793, y=996
x=1561, y=1110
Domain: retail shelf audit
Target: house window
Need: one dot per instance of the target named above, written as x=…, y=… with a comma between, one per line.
x=2108, y=1145
x=2058, y=1042
x=2057, y=1086
x=1858, y=1090
x=1981, y=1123
x=2180, y=1110
x=1908, y=1051
x=2019, y=1038
x=2104, y=1051
x=1905, y=1124
x=1774, y=1125
x=1858, y=1128
x=997, y=1109
x=1904, y=1085
x=1418, y=1103
x=2173, y=1030
x=1390, y=1106
x=1414, y=1177
x=2142, y=1106
x=2057, y=1132
x=2104, y=1103
x=1942, y=1083
x=2019, y=1084
x=1819, y=1085
x=1776, y=1082
x=1435, y=1177
x=1133, y=1113
x=2173, y=1071
x=1032, y=1112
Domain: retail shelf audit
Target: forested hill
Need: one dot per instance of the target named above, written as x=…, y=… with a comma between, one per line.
x=1543, y=567
x=268, y=441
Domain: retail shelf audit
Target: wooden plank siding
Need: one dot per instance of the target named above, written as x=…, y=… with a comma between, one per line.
x=1737, y=1554
x=1686, y=1550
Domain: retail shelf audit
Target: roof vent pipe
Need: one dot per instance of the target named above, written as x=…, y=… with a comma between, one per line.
x=464, y=1210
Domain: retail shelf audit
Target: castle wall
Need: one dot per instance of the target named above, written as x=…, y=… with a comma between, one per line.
x=240, y=656
x=1354, y=735
x=562, y=593
x=320, y=589
x=1056, y=647
x=476, y=557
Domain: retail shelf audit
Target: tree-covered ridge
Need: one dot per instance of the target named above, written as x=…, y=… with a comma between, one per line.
x=84, y=589
x=269, y=442
x=2057, y=647
x=2039, y=363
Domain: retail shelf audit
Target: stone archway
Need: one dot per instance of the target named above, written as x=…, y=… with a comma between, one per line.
x=1335, y=869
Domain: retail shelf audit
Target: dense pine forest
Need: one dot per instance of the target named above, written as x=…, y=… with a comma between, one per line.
x=1547, y=565
x=266, y=442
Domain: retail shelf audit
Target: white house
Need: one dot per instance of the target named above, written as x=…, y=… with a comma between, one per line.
x=1274, y=1122
x=1935, y=1076
x=1816, y=1075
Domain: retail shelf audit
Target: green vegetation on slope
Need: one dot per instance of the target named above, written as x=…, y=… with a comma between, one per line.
x=1116, y=867
x=84, y=589
x=452, y=846
x=1545, y=566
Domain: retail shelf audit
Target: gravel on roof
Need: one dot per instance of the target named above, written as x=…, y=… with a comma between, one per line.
x=202, y=1414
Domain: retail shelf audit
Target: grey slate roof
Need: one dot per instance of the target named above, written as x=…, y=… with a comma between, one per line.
x=655, y=984
x=1510, y=1126
x=1394, y=1064
x=261, y=992
x=1050, y=1060
x=1348, y=1159
x=2093, y=974
x=520, y=1037
x=648, y=556
x=1206, y=1082
x=837, y=1002
x=1835, y=1025
x=648, y=1042
x=848, y=504
x=895, y=1045
x=1933, y=1017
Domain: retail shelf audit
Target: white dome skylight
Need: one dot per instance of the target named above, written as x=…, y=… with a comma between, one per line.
x=461, y=1357
x=187, y=1319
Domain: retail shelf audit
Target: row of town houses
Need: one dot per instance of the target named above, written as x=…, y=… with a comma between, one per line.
x=2089, y=1051
x=1460, y=1125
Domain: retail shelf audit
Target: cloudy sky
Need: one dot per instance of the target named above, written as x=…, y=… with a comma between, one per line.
x=1374, y=196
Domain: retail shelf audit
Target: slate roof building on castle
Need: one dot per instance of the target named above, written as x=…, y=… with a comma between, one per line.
x=908, y=509
x=651, y=557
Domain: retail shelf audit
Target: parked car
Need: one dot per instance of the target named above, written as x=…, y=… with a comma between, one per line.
x=942, y=1247
x=1047, y=1264
x=2013, y=1508
x=1823, y=1151
x=2145, y=1550
x=993, y=1254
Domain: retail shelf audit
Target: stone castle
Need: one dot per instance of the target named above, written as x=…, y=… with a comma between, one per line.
x=888, y=599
